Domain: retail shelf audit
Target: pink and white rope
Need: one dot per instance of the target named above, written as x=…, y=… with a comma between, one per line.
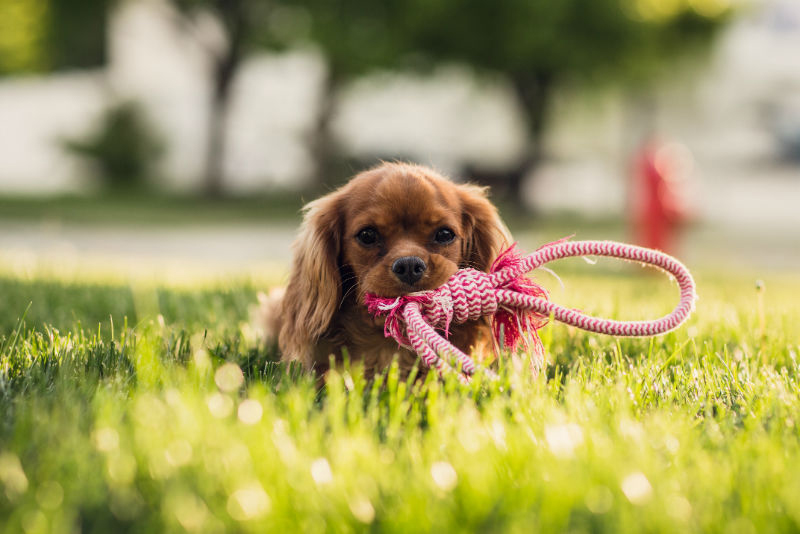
x=469, y=294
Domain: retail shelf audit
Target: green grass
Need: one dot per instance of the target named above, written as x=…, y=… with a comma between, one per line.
x=143, y=208
x=177, y=419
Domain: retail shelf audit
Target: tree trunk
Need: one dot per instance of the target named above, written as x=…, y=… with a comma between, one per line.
x=534, y=91
x=322, y=145
x=216, y=142
x=225, y=68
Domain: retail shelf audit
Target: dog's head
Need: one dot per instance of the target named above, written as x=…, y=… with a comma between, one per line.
x=391, y=230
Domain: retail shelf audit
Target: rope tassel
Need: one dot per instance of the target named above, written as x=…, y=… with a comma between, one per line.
x=518, y=306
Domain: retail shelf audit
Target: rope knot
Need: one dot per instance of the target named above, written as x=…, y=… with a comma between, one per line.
x=466, y=296
x=517, y=305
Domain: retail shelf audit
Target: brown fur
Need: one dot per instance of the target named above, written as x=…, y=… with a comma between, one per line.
x=323, y=312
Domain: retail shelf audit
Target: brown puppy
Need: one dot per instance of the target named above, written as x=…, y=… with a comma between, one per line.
x=392, y=230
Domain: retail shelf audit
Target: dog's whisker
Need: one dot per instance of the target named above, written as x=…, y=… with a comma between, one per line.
x=344, y=297
x=346, y=281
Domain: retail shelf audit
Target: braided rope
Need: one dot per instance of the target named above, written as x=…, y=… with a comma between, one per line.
x=470, y=294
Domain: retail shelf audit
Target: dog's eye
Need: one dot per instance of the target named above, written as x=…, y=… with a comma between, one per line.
x=444, y=236
x=368, y=236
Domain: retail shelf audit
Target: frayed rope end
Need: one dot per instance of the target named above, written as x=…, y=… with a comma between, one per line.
x=510, y=326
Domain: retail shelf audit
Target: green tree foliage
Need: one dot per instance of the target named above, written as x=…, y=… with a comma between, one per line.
x=22, y=32
x=124, y=149
x=45, y=35
x=78, y=30
x=537, y=44
x=540, y=44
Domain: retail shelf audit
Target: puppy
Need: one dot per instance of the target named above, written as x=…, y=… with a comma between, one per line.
x=392, y=230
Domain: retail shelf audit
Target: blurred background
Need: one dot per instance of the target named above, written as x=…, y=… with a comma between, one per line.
x=177, y=136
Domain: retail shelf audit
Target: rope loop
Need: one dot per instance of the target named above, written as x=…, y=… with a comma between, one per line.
x=517, y=305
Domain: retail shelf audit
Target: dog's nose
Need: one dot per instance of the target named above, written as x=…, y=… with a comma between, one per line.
x=409, y=269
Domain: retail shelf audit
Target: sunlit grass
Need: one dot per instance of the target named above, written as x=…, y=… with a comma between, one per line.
x=177, y=419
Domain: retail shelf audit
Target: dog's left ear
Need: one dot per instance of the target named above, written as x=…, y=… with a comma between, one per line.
x=315, y=287
x=485, y=234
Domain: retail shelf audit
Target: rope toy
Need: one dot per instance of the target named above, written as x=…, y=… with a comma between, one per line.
x=518, y=306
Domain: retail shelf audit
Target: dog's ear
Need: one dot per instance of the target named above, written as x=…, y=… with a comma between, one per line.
x=485, y=235
x=314, y=291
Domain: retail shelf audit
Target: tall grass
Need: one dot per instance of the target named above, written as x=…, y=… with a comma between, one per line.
x=158, y=410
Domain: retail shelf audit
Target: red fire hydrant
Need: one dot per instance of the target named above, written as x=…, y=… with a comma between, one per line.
x=660, y=199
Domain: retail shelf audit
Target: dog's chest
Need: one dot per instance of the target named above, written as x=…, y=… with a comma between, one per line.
x=364, y=341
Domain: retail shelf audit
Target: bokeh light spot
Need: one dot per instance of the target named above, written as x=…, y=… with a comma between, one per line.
x=599, y=500
x=250, y=412
x=105, y=439
x=219, y=405
x=321, y=472
x=12, y=476
x=563, y=439
x=362, y=509
x=249, y=502
x=50, y=495
x=444, y=475
x=637, y=488
x=178, y=453
x=229, y=377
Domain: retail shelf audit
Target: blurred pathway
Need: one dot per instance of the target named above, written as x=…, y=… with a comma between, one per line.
x=181, y=252
x=210, y=251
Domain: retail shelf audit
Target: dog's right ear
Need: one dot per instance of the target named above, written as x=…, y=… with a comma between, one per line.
x=314, y=291
x=485, y=234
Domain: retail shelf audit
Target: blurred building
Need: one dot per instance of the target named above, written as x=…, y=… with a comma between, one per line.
x=153, y=60
x=738, y=116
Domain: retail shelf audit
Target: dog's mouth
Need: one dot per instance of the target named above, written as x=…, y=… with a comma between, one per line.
x=391, y=298
x=399, y=289
x=384, y=283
